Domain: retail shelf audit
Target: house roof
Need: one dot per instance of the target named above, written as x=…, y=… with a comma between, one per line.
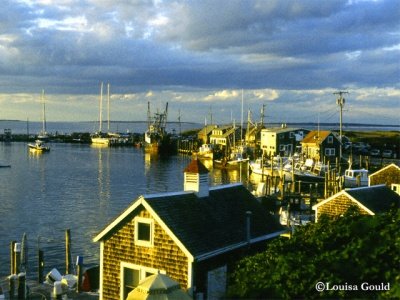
x=280, y=129
x=378, y=198
x=316, y=136
x=206, y=226
x=195, y=166
x=374, y=199
x=392, y=165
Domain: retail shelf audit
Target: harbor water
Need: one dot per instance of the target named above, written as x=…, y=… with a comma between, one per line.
x=81, y=188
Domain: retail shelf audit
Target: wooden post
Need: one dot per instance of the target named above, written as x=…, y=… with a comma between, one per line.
x=12, y=280
x=12, y=257
x=79, y=268
x=67, y=251
x=21, y=286
x=17, y=257
x=40, y=265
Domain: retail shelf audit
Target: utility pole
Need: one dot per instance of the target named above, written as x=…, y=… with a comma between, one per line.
x=340, y=101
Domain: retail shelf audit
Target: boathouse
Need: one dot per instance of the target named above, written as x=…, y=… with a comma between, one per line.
x=370, y=200
x=388, y=175
x=321, y=145
x=193, y=236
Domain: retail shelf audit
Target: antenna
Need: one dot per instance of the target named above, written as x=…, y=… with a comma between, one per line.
x=340, y=101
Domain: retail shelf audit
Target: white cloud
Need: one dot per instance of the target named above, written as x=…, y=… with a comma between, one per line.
x=222, y=95
x=266, y=94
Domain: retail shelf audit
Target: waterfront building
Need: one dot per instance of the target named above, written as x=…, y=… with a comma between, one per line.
x=321, y=145
x=369, y=200
x=204, y=134
x=281, y=141
x=388, y=175
x=194, y=236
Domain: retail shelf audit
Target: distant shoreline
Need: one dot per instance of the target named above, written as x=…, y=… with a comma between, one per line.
x=194, y=123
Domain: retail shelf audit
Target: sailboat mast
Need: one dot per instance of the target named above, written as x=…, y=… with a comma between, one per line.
x=241, y=123
x=101, y=106
x=108, y=107
x=43, y=115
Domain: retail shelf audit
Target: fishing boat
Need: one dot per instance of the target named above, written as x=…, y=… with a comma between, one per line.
x=156, y=139
x=38, y=146
x=205, y=151
x=355, y=177
x=235, y=160
x=100, y=138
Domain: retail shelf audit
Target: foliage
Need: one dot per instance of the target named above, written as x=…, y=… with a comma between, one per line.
x=345, y=251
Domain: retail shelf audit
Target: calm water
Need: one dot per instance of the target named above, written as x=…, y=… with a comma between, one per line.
x=79, y=187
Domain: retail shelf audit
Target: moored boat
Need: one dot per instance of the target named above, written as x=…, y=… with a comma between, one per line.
x=38, y=146
x=355, y=177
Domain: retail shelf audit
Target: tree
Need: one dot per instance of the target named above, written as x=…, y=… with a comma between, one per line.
x=349, y=255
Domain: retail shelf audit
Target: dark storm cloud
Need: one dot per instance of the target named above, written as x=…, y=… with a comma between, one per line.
x=198, y=47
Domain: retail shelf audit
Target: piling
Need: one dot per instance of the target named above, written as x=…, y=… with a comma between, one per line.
x=17, y=257
x=79, y=268
x=40, y=265
x=21, y=286
x=12, y=257
x=67, y=251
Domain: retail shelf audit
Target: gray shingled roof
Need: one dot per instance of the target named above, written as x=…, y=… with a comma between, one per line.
x=378, y=198
x=211, y=223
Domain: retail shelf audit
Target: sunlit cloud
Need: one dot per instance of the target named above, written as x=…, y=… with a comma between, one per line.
x=267, y=94
x=222, y=95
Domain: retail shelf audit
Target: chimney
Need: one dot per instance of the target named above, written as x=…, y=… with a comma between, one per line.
x=248, y=226
x=196, y=179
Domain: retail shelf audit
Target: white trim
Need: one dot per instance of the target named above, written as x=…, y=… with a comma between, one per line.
x=316, y=206
x=167, y=230
x=190, y=277
x=384, y=168
x=148, y=221
x=142, y=274
x=101, y=271
x=224, y=186
x=219, y=251
x=129, y=210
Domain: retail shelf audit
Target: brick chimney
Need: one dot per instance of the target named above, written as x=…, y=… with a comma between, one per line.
x=196, y=178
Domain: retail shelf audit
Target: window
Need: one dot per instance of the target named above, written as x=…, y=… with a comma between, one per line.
x=144, y=232
x=330, y=139
x=330, y=152
x=282, y=147
x=132, y=274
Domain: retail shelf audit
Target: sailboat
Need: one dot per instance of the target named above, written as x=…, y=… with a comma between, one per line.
x=39, y=145
x=100, y=138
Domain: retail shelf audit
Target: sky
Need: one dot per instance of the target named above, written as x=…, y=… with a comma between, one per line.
x=207, y=59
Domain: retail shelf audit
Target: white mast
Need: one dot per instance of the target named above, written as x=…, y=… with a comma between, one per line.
x=241, y=123
x=43, y=115
x=108, y=107
x=101, y=106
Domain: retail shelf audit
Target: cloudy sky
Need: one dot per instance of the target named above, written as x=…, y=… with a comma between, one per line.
x=198, y=56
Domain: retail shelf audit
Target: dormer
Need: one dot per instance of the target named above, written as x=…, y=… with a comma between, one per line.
x=196, y=179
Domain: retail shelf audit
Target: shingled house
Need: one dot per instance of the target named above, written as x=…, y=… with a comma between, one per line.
x=370, y=200
x=388, y=175
x=321, y=145
x=193, y=236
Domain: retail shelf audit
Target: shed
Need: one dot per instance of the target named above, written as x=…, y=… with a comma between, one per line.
x=370, y=200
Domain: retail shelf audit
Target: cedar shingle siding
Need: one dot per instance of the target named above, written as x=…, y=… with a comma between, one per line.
x=337, y=206
x=387, y=176
x=120, y=247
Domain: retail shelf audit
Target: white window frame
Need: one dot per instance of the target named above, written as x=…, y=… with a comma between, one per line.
x=142, y=242
x=142, y=274
x=330, y=151
x=282, y=147
x=330, y=139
